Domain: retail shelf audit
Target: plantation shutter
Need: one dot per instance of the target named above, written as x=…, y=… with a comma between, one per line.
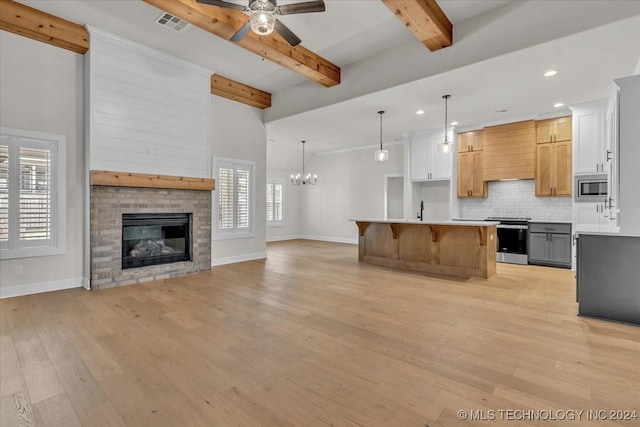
x=4, y=191
x=242, y=193
x=35, y=193
x=27, y=193
x=270, y=209
x=225, y=196
x=277, y=203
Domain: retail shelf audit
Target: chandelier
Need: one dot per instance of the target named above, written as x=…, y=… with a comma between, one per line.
x=381, y=155
x=303, y=179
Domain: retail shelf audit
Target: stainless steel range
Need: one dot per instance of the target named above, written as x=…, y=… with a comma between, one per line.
x=511, y=245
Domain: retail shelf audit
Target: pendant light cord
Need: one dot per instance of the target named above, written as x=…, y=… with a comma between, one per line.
x=446, y=110
x=303, y=159
x=381, y=113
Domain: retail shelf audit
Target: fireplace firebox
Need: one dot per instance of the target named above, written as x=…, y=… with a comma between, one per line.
x=152, y=239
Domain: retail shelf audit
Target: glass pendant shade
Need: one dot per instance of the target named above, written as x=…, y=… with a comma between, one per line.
x=382, y=155
x=444, y=147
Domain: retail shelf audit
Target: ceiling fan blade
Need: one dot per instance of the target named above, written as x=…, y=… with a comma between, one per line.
x=285, y=32
x=304, y=7
x=225, y=4
x=239, y=35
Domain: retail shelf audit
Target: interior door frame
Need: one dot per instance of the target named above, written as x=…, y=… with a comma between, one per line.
x=386, y=190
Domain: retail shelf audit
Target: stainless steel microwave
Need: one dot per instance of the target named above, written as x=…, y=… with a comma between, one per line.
x=590, y=188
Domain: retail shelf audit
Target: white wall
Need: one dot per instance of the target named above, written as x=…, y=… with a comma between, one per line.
x=237, y=132
x=516, y=199
x=350, y=186
x=42, y=90
x=437, y=200
x=291, y=196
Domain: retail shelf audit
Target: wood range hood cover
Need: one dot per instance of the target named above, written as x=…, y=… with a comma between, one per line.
x=509, y=151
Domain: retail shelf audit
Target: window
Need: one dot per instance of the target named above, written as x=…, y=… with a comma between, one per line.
x=275, y=203
x=32, y=193
x=235, y=194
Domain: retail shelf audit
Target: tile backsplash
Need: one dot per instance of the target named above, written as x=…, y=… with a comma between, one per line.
x=516, y=199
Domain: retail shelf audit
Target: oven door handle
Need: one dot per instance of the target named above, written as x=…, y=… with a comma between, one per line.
x=512, y=227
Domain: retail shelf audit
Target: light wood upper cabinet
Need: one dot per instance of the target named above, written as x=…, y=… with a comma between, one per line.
x=509, y=151
x=470, y=141
x=470, y=175
x=553, y=130
x=553, y=169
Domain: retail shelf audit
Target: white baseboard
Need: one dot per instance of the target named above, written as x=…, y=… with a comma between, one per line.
x=37, y=288
x=281, y=238
x=331, y=239
x=238, y=258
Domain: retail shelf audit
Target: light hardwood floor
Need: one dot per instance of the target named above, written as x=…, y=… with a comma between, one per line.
x=310, y=337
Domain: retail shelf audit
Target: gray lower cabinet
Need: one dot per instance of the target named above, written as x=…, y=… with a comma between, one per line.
x=608, y=277
x=550, y=244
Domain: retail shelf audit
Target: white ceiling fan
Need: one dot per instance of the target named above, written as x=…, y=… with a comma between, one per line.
x=262, y=16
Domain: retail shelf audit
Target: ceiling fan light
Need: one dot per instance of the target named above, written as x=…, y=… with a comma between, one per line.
x=262, y=22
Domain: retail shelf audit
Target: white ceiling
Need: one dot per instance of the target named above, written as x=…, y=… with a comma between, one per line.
x=501, y=48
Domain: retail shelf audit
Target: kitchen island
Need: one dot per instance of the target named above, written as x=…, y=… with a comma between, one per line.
x=460, y=248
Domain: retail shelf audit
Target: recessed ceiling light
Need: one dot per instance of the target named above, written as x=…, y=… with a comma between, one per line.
x=558, y=105
x=454, y=123
x=551, y=73
x=420, y=112
x=271, y=140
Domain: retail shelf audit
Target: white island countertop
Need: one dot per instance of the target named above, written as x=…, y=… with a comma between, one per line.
x=463, y=223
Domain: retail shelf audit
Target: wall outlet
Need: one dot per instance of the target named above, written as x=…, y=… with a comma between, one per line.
x=17, y=270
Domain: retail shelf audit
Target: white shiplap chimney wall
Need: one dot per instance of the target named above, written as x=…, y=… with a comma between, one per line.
x=148, y=112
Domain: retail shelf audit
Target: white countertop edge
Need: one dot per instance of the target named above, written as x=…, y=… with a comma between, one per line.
x=596, y=229
x=427, y=222
x=548, y=221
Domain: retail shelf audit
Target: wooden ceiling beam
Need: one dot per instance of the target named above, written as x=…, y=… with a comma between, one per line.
x=224, y=23
x=227, y=88
x=32, y=23
x=425, y=20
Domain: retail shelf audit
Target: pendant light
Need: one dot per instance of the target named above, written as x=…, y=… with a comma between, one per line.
x=302, y=179
x=444, y=146
x=381, y=155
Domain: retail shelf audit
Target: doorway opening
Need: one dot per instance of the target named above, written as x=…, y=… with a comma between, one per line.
x=394, y=197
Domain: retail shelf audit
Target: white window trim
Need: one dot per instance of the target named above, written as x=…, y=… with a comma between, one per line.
x=59, y=190
x=281, y=182
x=234, y=234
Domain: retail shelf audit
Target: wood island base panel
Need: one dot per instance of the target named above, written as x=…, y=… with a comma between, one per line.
x=460, y=249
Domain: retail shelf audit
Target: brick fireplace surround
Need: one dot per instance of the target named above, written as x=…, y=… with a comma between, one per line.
x=115, y=193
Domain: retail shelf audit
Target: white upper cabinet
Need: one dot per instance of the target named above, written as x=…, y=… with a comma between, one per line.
x=427, y=163
x=589, y=142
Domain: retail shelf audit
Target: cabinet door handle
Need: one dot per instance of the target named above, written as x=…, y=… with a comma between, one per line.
x=609, y=155
x=605, y=203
